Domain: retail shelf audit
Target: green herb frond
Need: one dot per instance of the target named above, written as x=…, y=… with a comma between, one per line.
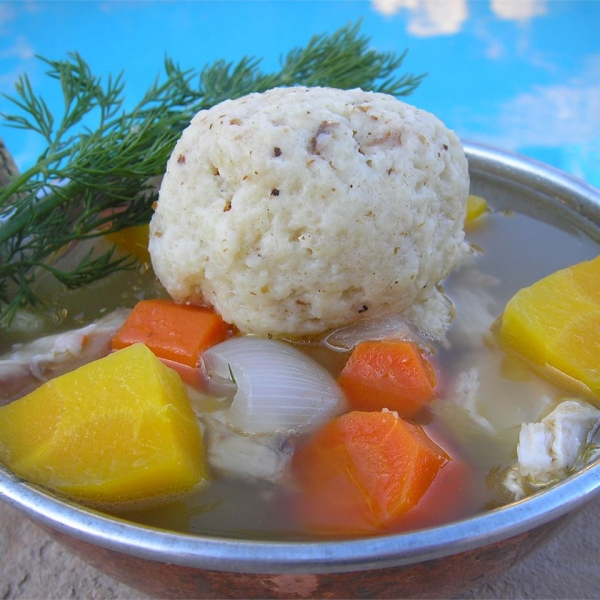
x=99, y=169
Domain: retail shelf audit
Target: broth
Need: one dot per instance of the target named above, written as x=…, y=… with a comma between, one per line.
x=233, y=507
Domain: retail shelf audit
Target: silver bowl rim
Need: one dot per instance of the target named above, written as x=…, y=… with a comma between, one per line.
x=249, y=556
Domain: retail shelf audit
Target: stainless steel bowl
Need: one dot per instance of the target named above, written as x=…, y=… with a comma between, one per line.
x=435, y=562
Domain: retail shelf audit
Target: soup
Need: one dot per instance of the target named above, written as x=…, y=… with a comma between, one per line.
x=479, y=433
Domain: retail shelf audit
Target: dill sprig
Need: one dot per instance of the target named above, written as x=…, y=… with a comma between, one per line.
x=93, y=180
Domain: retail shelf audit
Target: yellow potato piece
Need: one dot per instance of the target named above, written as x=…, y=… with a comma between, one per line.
x=554, y=325
x=120, y=429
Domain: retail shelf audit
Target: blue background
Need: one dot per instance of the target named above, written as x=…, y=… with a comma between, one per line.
x=522, y=75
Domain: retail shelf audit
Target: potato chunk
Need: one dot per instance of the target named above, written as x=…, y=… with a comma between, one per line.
x=119, y=429
x=554, y=325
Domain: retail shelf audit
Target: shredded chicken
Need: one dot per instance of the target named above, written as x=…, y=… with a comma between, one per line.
x=548, y=450
x=27, y=366
x=495, y=397
x=249, y=456
x=475, y=296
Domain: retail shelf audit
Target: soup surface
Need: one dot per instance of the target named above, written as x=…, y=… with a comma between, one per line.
x=479, y=430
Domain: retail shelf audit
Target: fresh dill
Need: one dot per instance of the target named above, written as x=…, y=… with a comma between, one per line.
x=90, y=181
x=231, y=375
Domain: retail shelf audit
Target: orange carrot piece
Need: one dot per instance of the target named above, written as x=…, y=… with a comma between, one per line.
x=390, y=374
x=176, y=332
x=362, y=471
x=451, y=496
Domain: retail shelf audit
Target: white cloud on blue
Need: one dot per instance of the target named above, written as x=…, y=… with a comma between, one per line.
x=518, y=10
x=563, y=116
x=21, y=49
x=7, y=15
x=566, y=113
x=427, y=17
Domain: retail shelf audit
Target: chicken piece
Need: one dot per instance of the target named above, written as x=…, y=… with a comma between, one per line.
x=499, y=395
x=231, y=452
x=27, y=366
x=475, y=294
x=549, y=449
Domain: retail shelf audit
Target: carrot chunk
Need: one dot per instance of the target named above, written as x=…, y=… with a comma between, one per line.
x=175, y=332
x=390, y=374
x=364, y=470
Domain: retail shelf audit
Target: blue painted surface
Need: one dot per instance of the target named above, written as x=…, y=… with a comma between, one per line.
x=522, y=75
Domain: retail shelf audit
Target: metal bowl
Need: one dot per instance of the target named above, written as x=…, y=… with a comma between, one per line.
x=435, y=562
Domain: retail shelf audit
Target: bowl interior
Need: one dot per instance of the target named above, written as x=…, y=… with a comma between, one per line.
x=513, y=184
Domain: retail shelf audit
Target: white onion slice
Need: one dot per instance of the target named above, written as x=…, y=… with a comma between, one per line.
x=372, y=329
x=278, y=387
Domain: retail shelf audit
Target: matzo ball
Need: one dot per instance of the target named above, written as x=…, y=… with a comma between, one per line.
x=302, y=209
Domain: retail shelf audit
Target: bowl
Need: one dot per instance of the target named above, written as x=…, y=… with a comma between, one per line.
x=434, y=562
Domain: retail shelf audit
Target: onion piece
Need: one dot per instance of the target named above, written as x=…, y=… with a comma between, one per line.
x=199, y=380
x=372, y=329
x=278, y=387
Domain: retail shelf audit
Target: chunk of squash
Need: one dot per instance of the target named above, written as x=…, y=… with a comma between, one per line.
x=132, y=240
x=554, y=325
x=476, y=206
x=119, y=429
